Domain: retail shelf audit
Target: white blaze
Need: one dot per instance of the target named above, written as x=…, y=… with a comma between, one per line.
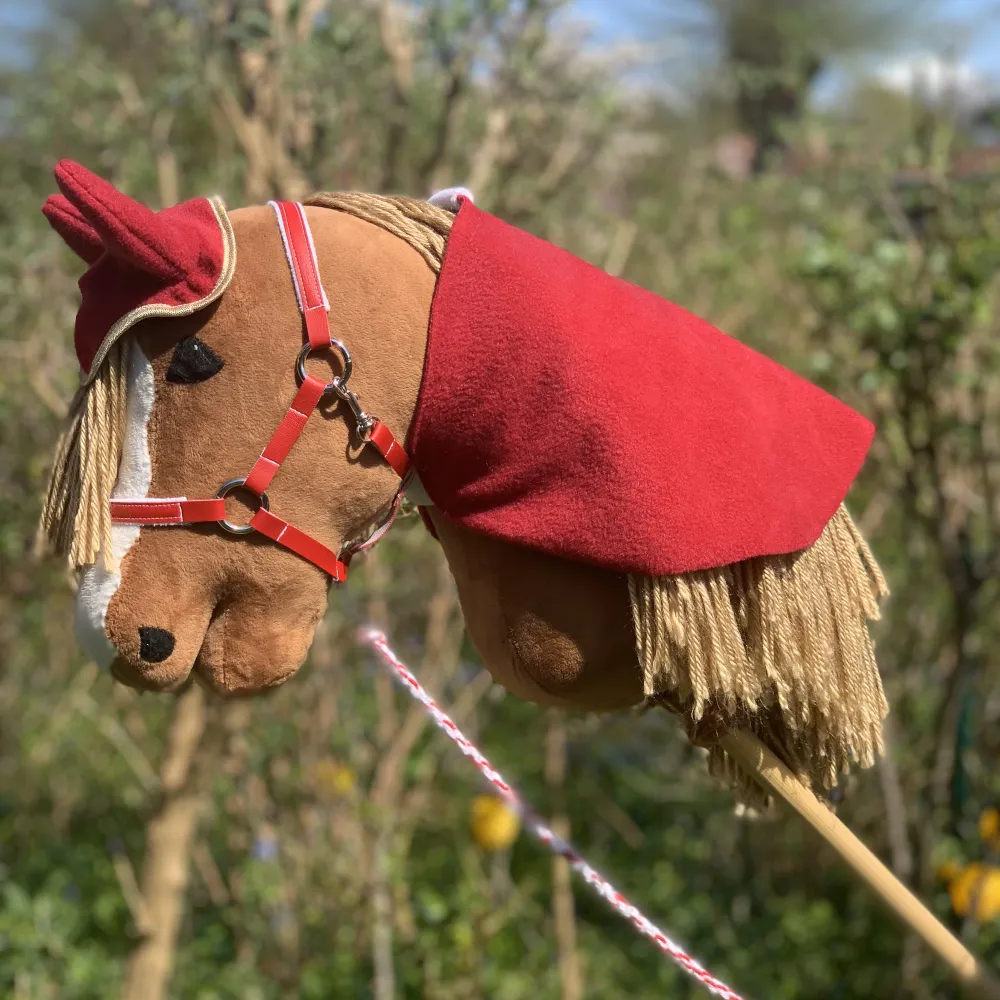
x=98, y=585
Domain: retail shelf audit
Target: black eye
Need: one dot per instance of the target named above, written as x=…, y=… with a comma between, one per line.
x=192, y=362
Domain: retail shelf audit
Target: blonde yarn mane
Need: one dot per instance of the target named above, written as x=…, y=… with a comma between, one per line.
x=777, y=646
x=76, y=519
x=424, y=226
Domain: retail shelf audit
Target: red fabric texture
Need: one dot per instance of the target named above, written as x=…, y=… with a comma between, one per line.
x=572, y=412
x=173, y=257
x=69, y=222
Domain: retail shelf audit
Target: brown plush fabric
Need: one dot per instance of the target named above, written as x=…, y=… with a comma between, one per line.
x=250, y=607
x=550, y=631
x=243, y=611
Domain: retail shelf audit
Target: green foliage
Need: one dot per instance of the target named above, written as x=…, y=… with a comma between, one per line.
x=884, y=294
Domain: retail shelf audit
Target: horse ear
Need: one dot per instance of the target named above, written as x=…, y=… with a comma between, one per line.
x=125, y=227
x=76, y=231
x=450, y=199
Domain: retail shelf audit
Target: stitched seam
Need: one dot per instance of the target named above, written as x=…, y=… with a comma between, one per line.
x=225, y=646
x=146, y=512
x=146, y=506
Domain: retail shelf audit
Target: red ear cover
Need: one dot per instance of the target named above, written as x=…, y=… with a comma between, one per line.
x=177, y=259
x=128, y=229
x=69, y=222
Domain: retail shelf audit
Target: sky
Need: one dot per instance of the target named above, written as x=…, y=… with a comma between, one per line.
x=971, y=28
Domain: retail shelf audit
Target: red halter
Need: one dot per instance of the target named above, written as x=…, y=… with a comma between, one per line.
x=315, y=308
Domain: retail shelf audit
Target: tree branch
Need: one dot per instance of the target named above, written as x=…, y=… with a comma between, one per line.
x=169, y=837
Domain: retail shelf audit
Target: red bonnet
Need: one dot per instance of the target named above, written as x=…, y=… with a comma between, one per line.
x=142, y=263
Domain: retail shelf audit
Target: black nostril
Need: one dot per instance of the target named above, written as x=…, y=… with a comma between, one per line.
x=155, y=644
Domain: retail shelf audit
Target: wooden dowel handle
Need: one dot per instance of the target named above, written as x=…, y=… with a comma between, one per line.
x=757, y=759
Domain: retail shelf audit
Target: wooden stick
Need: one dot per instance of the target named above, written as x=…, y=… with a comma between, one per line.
x=756, y=759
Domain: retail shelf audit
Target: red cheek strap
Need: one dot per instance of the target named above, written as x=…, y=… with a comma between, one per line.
x=277, y=449
x=385, y=443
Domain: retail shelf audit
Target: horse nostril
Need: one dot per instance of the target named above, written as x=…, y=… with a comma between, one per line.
x=155, y=644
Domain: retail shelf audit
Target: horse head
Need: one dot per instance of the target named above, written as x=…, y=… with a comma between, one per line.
x=632, y=503
x=192, y=311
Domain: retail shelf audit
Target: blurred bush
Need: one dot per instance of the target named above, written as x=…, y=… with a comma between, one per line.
x=335, y=834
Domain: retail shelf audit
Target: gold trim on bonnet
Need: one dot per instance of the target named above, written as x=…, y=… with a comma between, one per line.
x=160, y=309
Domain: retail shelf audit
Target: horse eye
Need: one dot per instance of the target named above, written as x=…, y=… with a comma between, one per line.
x=193, y=362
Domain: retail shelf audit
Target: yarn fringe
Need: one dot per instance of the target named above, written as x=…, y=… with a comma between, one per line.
x=777, y=646
x=76, y=518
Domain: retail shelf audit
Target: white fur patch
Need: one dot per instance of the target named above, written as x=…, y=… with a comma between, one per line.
x=448, y=198
x=135, y=473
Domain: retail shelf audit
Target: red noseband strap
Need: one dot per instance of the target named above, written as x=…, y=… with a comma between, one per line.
x=313, y=304
x=174, y=510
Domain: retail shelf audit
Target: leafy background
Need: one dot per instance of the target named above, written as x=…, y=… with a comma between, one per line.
x=322, y=841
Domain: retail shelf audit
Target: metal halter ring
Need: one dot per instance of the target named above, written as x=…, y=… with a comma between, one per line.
x=339, y=384
x=238, y=529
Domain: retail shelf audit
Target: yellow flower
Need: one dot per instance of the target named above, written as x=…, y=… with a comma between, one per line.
x=989, y=827
x=979, y=884
x=333, y=777
x=494, y=824
x=948, y=870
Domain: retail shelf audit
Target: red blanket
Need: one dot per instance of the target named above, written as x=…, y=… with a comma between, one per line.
x=575, y=413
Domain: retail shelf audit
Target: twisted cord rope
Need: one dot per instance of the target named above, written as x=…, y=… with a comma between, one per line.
x=534, y=824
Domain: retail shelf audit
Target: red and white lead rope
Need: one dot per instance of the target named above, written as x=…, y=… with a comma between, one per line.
x=547, y=836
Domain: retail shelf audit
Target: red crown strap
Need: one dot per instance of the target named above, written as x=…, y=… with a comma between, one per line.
x=301, y=253
x=300, y=543
x=296, y=236
x=169, y=510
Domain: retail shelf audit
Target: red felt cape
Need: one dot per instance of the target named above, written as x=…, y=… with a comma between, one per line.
x=575, y=413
